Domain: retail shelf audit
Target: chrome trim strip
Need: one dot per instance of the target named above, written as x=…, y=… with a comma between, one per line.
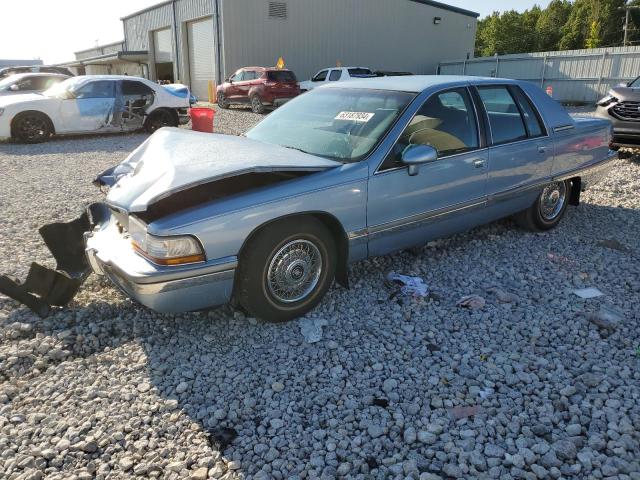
x=563, y=128
x=426, y=217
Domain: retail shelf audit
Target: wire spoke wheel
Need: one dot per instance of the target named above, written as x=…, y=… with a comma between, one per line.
x=294, y=271
x=552, y=200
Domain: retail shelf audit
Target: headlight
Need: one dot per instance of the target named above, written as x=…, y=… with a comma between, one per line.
x=608, y=100
x=176, y=250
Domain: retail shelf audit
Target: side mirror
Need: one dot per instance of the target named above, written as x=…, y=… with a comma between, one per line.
x=15, y=87
x=414, y=156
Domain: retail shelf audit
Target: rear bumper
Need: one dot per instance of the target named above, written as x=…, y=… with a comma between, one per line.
x=163, y=289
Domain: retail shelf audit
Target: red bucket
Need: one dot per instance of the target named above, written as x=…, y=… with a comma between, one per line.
x=202, y=119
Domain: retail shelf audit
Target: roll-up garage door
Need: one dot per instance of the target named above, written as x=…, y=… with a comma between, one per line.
x=201, y=56
x=162, y=49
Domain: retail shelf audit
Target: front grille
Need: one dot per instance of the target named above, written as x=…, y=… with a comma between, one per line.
x=627, y=111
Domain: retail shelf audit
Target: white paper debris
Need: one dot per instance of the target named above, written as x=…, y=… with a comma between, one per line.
x=473, y=302
x=587, y=293
x=311, y=329
x=410, y=286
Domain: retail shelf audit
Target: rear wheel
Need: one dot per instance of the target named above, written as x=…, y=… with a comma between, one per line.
x=31, y=127
x=256, y=104
x=548, y=209
x=159, y=119
x=286, y=269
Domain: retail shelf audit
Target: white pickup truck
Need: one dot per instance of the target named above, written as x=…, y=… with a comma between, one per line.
x=335, y=74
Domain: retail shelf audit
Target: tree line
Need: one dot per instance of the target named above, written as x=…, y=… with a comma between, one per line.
x=563, y=25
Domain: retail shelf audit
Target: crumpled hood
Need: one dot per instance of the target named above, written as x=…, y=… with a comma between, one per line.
x=175, y=159
x=626, y=93
x=7, y=100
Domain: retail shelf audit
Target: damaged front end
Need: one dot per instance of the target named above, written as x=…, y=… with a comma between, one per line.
x=44, y=287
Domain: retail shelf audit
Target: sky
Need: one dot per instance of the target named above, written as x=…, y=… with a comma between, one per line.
x=53, y=30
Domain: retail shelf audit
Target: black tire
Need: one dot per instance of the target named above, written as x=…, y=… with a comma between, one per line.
x=256, y=104
x=281, y=252
x=160, y=118
x=31, y=127
x=222, y=101
x=548, y=209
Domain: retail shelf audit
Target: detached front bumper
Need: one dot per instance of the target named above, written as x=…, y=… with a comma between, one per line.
x=163, y=289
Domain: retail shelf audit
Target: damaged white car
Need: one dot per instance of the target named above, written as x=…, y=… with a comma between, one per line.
x=94, y=104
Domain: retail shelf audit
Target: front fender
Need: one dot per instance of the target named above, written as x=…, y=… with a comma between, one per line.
x=223, y=226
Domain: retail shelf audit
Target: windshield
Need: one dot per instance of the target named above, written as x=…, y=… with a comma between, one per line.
x=340, y=124
x=63, y=89
x=7, y=82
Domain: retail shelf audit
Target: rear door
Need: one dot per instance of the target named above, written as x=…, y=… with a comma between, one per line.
x=521, y=151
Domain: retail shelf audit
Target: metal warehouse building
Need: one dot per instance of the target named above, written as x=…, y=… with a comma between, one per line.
x=197, y=41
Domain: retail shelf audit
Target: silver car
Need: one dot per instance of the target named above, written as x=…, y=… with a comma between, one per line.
x=21, y=83
x=622, y=107
x=345, y=172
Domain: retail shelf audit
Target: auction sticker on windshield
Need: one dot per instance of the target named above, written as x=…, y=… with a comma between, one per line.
x=363, y=117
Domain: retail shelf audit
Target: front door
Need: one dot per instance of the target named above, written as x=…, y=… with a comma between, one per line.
x=92, y=107
x=447, y=194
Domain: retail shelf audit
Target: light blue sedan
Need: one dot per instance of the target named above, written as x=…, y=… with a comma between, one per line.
x=342, y=173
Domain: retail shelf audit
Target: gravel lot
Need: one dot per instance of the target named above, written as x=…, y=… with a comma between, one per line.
x=526, y=387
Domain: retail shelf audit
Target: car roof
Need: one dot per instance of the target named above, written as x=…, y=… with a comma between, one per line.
x=414, y=83
x=265, y=69
x=38, y=74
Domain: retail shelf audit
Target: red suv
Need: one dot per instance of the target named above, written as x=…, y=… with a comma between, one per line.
x=259, y=87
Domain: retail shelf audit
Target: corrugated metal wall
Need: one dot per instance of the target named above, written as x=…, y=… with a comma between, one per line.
x=100, y=50
x=138, y=28
x=581, y=76
x=381, y=34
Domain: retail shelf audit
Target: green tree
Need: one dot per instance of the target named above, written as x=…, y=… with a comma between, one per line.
x=579, y=26
x=550, y=24
x=594, y=41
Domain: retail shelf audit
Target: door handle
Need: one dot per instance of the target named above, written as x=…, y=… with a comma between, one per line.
x=542, y=149
x=478, y=163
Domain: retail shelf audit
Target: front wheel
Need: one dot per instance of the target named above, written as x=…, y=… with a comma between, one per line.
x=31, y=127
x=548, y=209
x=222, y=101
x=256, y=104
x=286, y=269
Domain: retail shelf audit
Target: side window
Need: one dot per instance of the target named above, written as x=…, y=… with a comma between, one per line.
x=321, y=76
x=532, y=120
x=235, y=77
x=26, y=84
x=131, y=87
x=43, y=82
x=504, y=116
x=98, y=89
x=446, y=121
x=335, y=75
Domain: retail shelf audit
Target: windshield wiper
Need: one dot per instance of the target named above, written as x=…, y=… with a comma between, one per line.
x=300, y=150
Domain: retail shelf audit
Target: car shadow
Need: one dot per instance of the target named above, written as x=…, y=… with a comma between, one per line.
x=224, y=371
x=109, y=143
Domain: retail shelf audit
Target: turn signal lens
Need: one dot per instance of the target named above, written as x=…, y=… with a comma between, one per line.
x=170, y=250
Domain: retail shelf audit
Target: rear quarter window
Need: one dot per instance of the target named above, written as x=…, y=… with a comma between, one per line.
x=281, y=76
x=354, y=72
